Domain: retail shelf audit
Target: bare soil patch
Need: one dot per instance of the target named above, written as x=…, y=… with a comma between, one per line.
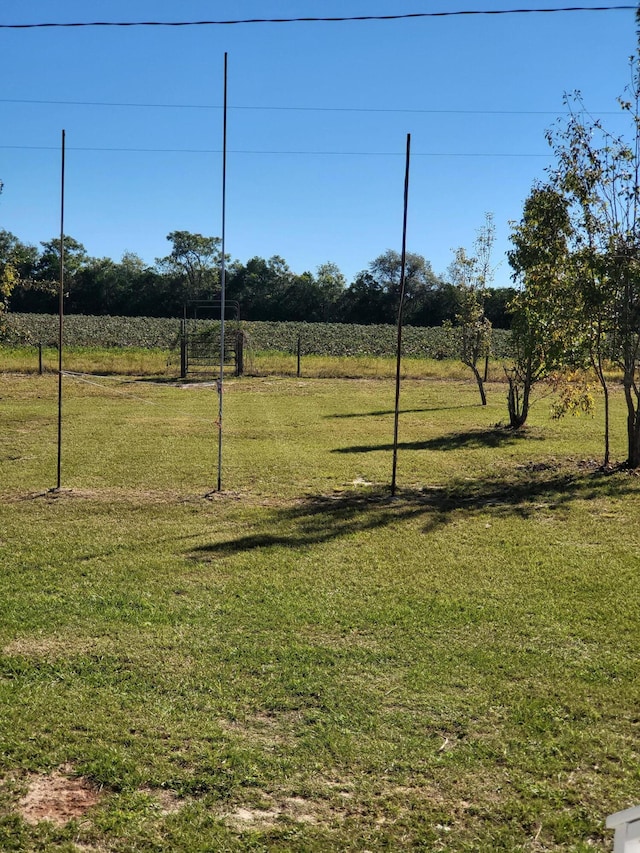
x=168, y=802
x=296, y=809
x=269, y=730
x=58, y=799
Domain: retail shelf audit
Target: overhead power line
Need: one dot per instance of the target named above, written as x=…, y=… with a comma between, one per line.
x=336, y=19
x=299, y=109
x=266, y=152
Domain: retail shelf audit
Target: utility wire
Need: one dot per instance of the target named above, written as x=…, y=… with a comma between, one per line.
x=300, y=109
x=337, y=19
x=257, y=152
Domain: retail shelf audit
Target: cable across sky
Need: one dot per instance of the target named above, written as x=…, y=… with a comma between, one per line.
x=313, y=20
x=306, y=109
x=318, y=114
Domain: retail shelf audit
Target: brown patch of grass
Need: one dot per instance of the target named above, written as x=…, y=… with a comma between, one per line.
x=168, y=802
x=53, y=646
x=297, y=809
x=346, y=640
x=58, y=799
x=268, y=730
x=103, y=495
x=143, y=496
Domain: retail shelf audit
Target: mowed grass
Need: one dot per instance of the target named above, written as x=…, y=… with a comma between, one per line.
x=301, y=663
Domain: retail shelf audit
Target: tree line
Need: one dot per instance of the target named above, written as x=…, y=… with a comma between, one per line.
x=264, y=288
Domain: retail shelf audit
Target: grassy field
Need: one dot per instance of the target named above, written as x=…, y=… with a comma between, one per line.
x=165, y=365
x=301, y=663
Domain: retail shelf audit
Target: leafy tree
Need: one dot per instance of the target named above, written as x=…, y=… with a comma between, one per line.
x=47, y=269
x=331, y=285
x=104, y=286
x=260, y=286
x=470, y=276
x=374, y=295
x=540, y=331
x=194, y=262
x=364, y=301
x=17, y=264
x=8, y=280
x=598, y=176
x=420, y=280
x=497, y=304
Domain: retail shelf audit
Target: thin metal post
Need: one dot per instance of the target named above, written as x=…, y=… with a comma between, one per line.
x=183, y=349
x=403, y=264
x=222, y=273
x=239, y=353
x=60, y=315
x=40, y=371
x=299, y=353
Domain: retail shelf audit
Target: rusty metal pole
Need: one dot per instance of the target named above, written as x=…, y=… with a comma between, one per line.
x=60, y=316
x=403, y=263
x=183, y=349
x=222, y=274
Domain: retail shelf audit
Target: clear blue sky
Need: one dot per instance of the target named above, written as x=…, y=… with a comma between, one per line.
x=318, y=119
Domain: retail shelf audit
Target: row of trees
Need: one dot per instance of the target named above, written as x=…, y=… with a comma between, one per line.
x=576, y=258
x=266, y=289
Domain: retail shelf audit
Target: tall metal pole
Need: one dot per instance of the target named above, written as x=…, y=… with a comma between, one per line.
x=403, y=264
x=60, y=316
x=222, y=273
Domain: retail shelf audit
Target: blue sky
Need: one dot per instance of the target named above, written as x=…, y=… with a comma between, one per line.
x=317, y=123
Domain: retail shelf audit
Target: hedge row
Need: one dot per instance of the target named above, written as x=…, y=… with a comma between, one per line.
x=315, y=338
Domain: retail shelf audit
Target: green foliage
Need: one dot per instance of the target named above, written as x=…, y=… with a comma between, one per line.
x=265, y=289
x=573, y=394
x=470, y=276
x=8, y=280
x=334, y=339
x=580, y=260
x=195, y=261
x=374, y=295
x=544, y=310
x=14, y=267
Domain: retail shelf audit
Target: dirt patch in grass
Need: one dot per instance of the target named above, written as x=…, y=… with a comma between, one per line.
x=346, y=640
x=57, y=798
x=268, y=730
x=142, y=497
x=297, y=809
x=329, y=802
x=168, y=802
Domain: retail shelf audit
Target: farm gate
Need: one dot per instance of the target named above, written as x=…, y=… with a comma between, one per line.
x=200, y=342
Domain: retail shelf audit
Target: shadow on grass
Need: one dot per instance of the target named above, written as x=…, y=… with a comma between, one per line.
x=453, y=441
x=382, y=412
x=323, y=518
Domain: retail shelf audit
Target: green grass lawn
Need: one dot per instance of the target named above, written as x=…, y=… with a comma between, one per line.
x=301, y=663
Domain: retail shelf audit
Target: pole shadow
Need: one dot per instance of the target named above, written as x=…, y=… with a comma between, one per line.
x=479, y=439
x=381, y=412
x=323, y=518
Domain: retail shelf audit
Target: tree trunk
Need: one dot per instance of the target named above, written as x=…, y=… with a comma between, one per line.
x=605, y=390
x=476, y=373
x=517, y=402
x=633, y=428
x=598, y=367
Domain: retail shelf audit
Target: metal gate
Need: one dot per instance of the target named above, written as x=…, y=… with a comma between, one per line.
x=199, y=351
